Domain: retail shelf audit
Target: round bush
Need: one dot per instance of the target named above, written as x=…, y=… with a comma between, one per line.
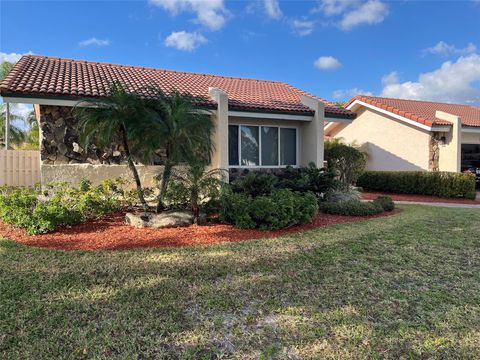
x=385, y=202
x=352, y=208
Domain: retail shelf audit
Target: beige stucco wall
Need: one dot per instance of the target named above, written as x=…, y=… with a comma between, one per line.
x=470, y=138
x=73, y=173
x=391, y=144
x=450, y=152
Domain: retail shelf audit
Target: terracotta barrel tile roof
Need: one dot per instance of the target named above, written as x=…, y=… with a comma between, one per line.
x=423, y=111
x=43, y=76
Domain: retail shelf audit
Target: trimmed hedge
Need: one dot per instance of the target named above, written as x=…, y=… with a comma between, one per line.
x=435, y=183
x=281, y=208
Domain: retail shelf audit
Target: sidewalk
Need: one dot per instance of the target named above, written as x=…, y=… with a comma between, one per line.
x=427, y=200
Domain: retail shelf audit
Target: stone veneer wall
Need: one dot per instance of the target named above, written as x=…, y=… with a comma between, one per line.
x=434, y=152
x=63, y=159
x=60, y=142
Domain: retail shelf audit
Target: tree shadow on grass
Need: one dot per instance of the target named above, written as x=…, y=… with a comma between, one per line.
x=352, y=291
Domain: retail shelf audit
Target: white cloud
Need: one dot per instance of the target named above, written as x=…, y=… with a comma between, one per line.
x=210, y=13
x=12, y=57
x=182, y=40
x=336, y=7
x=94, y=41
x=390, y=78
x=442, y=48
x=370, y=12
x=345, y=94
x=327, y=63
x=303, y=27
x=452, y=82
x=272, y=8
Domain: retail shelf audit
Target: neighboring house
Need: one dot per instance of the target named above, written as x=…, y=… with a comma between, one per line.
x=412, y=135
x=259, y=123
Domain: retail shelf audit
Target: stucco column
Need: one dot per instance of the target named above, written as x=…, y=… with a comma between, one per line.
x=220, y=135
x=451, y=152
x=312, y=143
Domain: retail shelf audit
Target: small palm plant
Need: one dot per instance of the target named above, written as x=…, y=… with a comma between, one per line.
x=185, y=133
x=119, y=118
x=194, y=186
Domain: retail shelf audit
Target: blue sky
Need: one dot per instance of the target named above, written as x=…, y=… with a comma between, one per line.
x=331, y=48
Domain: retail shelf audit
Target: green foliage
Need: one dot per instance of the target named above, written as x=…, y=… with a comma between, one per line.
x=435, y=183
x=195, y=188
x=17, y=136
x=184, y=132
x=279, y=209
x=302, y=179
x=43, y=210
x=351, y=208
x=255, y=184
x=385, y=202
x=341, y=195
x=346, y=161
x=307, y=178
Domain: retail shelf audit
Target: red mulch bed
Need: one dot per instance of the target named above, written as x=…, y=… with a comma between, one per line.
x=367, y=195
x=111, y=233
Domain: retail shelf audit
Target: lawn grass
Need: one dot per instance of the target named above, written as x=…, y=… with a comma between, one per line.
x=406, y=286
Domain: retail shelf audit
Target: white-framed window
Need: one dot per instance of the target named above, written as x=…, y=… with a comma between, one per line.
x=262, y=146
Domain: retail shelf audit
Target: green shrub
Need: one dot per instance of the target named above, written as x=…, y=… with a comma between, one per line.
x=351, y=208
x=255, y=184
x=342, y=195
x=346, y=161
x=435, y=183
x=279, y=209
x=309, y=178
x=385, y=202
x=43, y=210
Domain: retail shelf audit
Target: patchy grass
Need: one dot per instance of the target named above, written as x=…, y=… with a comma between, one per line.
x=406, y=286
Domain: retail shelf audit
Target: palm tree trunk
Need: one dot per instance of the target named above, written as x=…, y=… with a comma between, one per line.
x=134, y=171
x=167, y=172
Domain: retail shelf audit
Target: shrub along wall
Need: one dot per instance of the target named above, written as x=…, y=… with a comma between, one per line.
x=443, y=184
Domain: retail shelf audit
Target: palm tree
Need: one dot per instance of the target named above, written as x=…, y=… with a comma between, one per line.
x=198, y=184
x=120, y=117
x=32, y=135
x=17, y=136
x=185, y=132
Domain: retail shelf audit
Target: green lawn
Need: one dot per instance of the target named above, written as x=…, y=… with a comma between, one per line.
x=401, y=287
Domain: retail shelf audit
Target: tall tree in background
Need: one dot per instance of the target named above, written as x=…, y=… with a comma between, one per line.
x=17, y=136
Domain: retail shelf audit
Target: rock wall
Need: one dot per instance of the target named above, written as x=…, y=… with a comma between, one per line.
x=434, y=152
x=60, y=141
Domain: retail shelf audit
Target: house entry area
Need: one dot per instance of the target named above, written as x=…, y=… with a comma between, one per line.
x=471, y=159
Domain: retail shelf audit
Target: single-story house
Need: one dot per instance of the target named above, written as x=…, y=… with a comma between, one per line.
x=259, y=123
x=412, y=135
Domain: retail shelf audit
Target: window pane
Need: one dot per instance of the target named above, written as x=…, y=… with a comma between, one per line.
x=288, y=146
x=233, y=145
x=249, y=142
x=269, y=146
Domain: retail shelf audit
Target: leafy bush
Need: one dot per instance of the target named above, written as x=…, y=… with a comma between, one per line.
x=385, y=202
x=43, y=210
x=351, y=208
x=255, y=184
x=279, y=209
x=346, y=161
x=336, y=196
x=309, y=178
x=300, y=179
x=443, y=184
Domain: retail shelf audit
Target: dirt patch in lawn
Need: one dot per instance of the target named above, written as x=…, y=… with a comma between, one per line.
x=367, y=195
x=111, y=233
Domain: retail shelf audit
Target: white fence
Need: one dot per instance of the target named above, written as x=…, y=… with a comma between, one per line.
x=19, y=167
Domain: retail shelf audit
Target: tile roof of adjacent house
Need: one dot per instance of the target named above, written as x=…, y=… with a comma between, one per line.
x=423, y=112
x=41, y=76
